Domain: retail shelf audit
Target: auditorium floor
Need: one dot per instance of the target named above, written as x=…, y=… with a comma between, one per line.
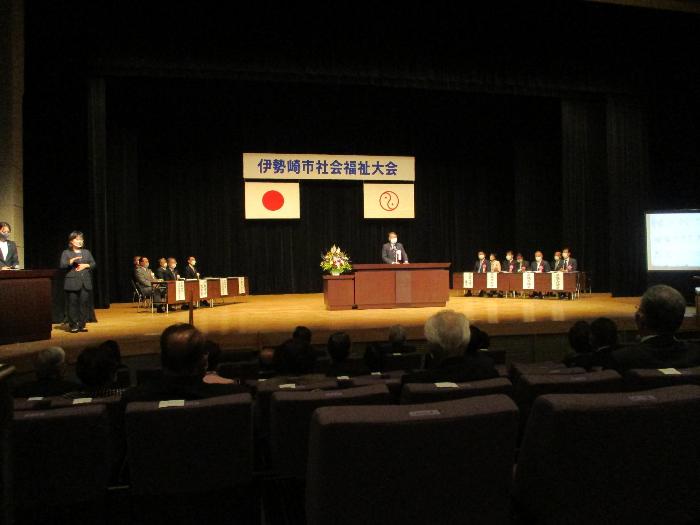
x=268, y=319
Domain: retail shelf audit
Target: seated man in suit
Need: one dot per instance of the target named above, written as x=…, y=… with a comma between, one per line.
x=9, y=257
x=603, y=342
x=521, y=264
x=393, y=251
x=191, y=271
x=448, y=334
x=96, y=367
x=570, y=264
x=144, y=279
x=295, y=362
x=338, y=349
x=183, y=355
x=659, y=316
x=509, y=265
x=558, y=263
x=580, y=342
x=162, y=269
x=49, y=368
x=539, y=264
x=481, y=265
x=171, y=274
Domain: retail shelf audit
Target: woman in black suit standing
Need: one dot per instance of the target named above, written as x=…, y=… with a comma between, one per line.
x=78, y=263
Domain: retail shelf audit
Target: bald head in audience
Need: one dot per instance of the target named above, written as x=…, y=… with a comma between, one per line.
x=183, y=350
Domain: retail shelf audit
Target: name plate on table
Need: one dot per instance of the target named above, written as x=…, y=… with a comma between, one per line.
x=557, y=281
x=223, y=286
x=241, y=285
x=468, y=280
x=203, y=289
x=528, y=281
x=492, y=280
x=180, y=290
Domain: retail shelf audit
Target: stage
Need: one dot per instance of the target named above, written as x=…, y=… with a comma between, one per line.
x=262, y=320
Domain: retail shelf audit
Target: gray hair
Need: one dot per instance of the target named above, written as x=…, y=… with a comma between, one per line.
x=397, y=334
x=663, y=309
x=449, y=330
x=49, y=362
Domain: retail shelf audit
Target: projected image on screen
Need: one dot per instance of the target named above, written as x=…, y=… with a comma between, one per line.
x=673, y=241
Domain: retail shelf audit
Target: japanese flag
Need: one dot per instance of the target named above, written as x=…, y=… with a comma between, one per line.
x=269, y=200
x=388, y=201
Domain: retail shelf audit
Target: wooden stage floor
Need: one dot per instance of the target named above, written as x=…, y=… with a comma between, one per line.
x=269, y=319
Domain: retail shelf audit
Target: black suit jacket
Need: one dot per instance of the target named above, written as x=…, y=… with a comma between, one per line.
x=171, y=275
x=571, y=265
x=161, y=273
x=388, y=254
x=545, y=264
x=474, y=366
x=505, y=266
x=558, y=265
x=661, y=351
x=75, y=280
x=478, y=264
x=12, y=258
x=190, y=273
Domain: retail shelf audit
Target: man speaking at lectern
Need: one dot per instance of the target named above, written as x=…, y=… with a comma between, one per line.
x=393, y=251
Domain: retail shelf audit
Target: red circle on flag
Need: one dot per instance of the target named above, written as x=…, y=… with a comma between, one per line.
x=273, y=200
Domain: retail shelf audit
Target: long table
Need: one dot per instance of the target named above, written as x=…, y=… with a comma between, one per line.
x=196, y=290
x=557, y=282
x=412, y=285
x=25, y=305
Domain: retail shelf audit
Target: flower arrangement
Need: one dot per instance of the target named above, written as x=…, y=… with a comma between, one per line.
x=335, y=261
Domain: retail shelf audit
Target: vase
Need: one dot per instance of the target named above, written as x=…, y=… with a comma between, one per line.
x=335, y=274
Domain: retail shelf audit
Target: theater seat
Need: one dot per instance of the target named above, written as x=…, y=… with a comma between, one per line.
x=433, y=392
x=400, y=361
x=643, y=379
x=622, y=458
x=60, y=464
x=448, y=462
x=184, y=458
x=545, y=367
x=529, y=387
x=290, y=415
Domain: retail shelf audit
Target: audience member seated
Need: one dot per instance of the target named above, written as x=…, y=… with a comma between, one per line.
x=213, y=351
x=339, y=351
x=302, y=333
x=184, y=360
x=49, y=368
x=448, y=336
x=295, y=362
x=113, y=349
x=97, y=370
x=603, y=342
x=397, y=341
x=659, y=316
x=266, y=360
x=580, y=343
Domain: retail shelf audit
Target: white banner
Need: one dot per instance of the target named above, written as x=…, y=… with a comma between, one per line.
x=528, y=281
x=492, y=280
x=388, y=201
x=223, y=286
x=295, y=166
x=241, y=285
x=203, y=290
x=557, y=281
x=180, y=290
x=468, y=280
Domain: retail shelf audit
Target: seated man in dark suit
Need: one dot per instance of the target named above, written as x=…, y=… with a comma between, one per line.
x=295, y=362
x=448, y=335
x=162, y=269
x=96, y=367
x=144, y=279
x=481, y=265
x=569, y=263
x=49, y=367
x=659, y=316
x=191, y=271
x=558, y=263
x=603, y=342
x=580, y=343
x=171, y=274
x=509, y=265
x=522, y=264
x=184, y=360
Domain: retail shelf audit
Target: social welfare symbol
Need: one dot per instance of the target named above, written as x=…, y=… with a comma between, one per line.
x=389, y=201
x=273, y=200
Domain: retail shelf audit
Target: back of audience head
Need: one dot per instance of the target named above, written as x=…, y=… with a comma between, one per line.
x=339, y=347
x=397, y=336
x=448, y=333
x=478, y=340
x=183, y=350
x=302, y=333
x=213, y=351
x=660, y=311
x=580, y=337
x=295, y=357
x=112, y=347
x=50, y=363
x=603, y=333
x=96, y=367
